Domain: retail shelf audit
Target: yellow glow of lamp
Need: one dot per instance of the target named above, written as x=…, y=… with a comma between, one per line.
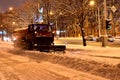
x=92, y=3
x=10, y=8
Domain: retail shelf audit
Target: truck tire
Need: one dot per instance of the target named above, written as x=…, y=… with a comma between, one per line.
x=29, y=46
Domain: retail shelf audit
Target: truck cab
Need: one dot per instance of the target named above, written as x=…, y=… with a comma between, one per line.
x=40, y=34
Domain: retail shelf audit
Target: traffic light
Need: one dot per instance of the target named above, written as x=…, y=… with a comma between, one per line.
x=108, y=24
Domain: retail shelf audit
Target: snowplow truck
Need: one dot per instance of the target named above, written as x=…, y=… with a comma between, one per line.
x=36, y=36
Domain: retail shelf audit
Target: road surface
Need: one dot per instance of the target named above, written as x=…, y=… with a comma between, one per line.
x=18, y=67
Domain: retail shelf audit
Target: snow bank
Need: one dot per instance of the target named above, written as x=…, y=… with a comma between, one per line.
x=108, y=71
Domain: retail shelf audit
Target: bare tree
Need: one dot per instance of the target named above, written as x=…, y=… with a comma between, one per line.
x=10, y=18
x=78, y=9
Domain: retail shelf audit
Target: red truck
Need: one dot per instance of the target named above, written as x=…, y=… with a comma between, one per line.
x=37, y=36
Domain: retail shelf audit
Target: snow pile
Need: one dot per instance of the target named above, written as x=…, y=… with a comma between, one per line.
x=90, y=66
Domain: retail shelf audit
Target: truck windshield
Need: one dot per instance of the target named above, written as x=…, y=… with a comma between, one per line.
x=42, y=28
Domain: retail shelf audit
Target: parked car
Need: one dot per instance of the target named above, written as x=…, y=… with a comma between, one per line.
x=110, y=39
x=99, y=39
x=90, y=38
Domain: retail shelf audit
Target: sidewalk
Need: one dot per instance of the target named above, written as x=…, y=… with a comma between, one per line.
x=107, y=55
x=96, y=50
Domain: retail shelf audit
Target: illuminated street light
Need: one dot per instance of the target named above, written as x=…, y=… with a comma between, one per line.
x=1, y=25
x=51, y=13
x=13, y=23
x=61, y=13
x=10, y=8
x=92, y=3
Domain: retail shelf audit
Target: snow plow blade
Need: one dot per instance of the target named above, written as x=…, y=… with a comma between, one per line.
x=48, y=48
x=59, y=47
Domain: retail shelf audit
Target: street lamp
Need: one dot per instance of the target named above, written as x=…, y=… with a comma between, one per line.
x=51, y=13
x=92, y=3
x=56, y=21
x=91, y=17
x=104, y=36
x=10, y=8
x=2, y=31
x=2, y=25
x=13, y=23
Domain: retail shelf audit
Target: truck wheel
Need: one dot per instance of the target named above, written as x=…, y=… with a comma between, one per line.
x=29, y=46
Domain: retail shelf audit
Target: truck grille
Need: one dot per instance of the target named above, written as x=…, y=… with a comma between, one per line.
x=44, y=40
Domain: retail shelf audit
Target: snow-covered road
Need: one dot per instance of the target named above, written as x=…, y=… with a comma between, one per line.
x=17, y=67
x=79, y=63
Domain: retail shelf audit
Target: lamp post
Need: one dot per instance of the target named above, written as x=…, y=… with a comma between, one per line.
x=99, y=23
x=1, y=22
x=56, y=22
x=104, y=36
x=13, y=24
x=104, y=41
x=2, y=32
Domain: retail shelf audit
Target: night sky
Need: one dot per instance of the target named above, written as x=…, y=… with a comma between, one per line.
x=5, y=4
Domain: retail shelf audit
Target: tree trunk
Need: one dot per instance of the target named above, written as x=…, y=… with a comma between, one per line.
x=83, y=36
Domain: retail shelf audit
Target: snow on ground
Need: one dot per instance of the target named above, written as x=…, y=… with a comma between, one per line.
x=104, y=62
x=17, y=64
x=106, y=55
